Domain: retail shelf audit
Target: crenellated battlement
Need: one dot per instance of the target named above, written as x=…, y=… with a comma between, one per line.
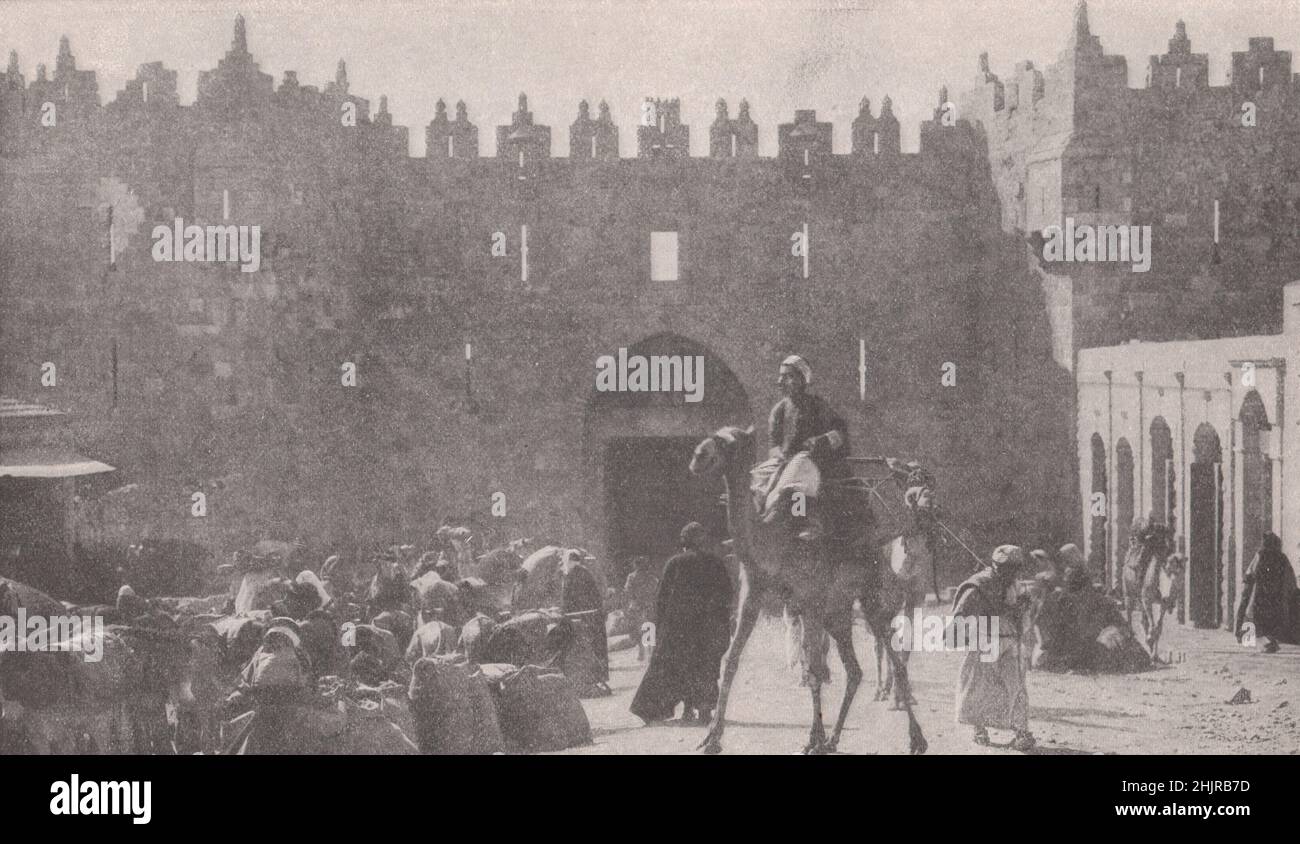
x=1214, y=170
x=237, y=91
x=1085, y=77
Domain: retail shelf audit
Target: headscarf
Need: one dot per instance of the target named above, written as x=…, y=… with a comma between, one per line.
x=1008, y=558
x=797, y=363
x=308, y=578
x=692, y=535
x=1070, y=555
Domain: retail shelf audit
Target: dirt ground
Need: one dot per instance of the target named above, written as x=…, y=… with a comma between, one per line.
x=1180, y=708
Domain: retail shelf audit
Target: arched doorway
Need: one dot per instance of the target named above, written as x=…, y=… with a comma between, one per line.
x=1256, y=477
x=1163, y=503
x=638, y=447
x=1205, y=548
x=1097, y=556
x=1124, y=512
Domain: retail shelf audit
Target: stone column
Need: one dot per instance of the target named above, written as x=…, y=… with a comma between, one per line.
x=1109, y=573
x=1275, y=442
x=1231, y=575
x=1142, y=505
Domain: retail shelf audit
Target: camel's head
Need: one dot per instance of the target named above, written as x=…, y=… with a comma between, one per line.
x=721, y=450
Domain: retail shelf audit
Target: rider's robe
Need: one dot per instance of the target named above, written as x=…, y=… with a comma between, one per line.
x=691, y=635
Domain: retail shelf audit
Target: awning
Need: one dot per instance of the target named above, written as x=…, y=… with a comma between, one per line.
x=48, y=463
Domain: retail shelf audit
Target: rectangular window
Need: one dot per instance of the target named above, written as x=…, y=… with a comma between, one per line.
x=663, y=256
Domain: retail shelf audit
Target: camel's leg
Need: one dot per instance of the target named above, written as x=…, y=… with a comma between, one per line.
x=815, y=659
x=916, y=740
x=748, y=615
x=791, y=641
x=883, y=688
x=843, y=635
x=898, y=689
x=1153, y=631
x=902, y=695
x=1144, y=614
x=882, y=666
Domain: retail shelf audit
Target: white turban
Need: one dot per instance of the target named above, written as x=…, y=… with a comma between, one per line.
x=800, y=364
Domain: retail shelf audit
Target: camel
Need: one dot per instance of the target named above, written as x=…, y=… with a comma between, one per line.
x=899, y=565
x=773, y=560
x=1152, y=586
x=1162, y=591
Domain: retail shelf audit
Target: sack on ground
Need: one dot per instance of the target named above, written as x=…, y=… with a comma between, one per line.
x=451, y=710
x=540, y=711
x=474, y=637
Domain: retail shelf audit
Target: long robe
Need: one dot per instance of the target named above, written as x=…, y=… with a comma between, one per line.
x=1267, y=597
x=991, y=694
x=691, y=635
x=580, y=593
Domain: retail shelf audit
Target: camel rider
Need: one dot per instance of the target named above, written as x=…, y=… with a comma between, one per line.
x=808, y=440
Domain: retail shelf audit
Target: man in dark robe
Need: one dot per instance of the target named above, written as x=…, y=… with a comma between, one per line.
x=691, y=635
x=581, y=599
x=1267, y=597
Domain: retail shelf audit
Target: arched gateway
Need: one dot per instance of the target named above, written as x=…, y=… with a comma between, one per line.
x=637, y=444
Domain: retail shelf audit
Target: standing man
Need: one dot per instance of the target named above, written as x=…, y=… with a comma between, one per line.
x=692, y=634
x=581, y=597
x=993, y=693
x=808, y=441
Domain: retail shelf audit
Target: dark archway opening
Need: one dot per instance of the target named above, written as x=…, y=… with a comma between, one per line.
x=1124, y=510
x=1097, y=551
x=1163, y=498
x=1205, y=554
x=640, y=445
x=1257, y=480
x=650, y=494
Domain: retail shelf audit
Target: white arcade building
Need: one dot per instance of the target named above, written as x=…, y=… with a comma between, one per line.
x=1199, y=433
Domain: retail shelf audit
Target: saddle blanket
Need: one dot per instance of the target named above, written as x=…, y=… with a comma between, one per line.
x=772, y=477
